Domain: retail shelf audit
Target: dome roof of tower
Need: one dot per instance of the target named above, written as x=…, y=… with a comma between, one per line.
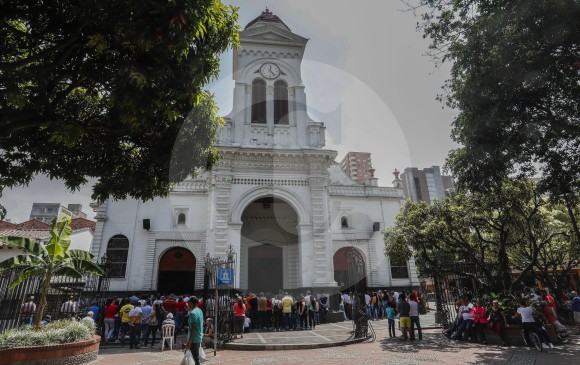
x=268, y=17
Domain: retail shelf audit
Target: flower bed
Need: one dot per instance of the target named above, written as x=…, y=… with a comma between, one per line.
x=64, y=342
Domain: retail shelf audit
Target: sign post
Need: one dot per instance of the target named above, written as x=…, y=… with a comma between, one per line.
x=222, y=272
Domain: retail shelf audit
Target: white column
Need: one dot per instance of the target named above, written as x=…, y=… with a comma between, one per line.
x=270, y=113
x=306, y=255
x=247, y=107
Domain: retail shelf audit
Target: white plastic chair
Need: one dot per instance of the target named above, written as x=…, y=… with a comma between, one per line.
x=167, y=331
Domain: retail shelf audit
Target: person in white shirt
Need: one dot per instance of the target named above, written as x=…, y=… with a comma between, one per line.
x=247, y=323
x=526, y=313
x=368, y=303
x=89, y=317
x=465, y=310
x=414, y=314
x=135, y=319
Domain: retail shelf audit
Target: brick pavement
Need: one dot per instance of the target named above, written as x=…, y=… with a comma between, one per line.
x=433, y=349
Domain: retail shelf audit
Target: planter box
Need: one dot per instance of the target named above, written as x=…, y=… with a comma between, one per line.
x=63, y=354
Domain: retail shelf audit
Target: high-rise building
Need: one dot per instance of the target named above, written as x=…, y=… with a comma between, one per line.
x=46, y=212
x=357, y=166
x=425, y=185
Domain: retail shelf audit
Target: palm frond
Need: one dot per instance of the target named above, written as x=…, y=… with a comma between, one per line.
x=85, y=266
x=19, y=261
x=68, y=271
x=79, y=254
x=24, y=243
x=60, y=239
x=27, y=273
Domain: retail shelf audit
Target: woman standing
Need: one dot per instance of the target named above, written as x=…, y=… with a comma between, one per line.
x=239, y=317
x=155, y=319
x=497, y=320
x=111, y=310
x=312, y=308
x=302, y=312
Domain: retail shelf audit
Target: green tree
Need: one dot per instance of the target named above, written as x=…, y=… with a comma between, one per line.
x=493, y=232
x=48, y=261
x=110, y=90
x=514, y=82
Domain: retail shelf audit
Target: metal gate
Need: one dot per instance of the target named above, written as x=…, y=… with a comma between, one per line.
x=451, y=282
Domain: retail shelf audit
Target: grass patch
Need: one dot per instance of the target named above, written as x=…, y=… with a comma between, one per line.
x=54, y=333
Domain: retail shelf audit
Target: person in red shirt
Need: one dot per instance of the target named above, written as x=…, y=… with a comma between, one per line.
x=170, y=305
x=180, y=310
x=480, y=321
x=560, y=328
x=111, y=311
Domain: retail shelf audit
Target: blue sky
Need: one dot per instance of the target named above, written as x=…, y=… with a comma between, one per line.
x=366, y=78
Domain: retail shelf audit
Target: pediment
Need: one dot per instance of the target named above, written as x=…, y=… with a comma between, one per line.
x=271, y=33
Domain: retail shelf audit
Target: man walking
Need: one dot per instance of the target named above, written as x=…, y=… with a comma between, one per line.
x=195, y=329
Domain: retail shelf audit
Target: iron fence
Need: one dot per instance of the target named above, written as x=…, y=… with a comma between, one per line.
x=451, y=282
x=85, y=291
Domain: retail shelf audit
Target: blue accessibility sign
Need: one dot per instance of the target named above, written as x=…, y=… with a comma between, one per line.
x=225, y=277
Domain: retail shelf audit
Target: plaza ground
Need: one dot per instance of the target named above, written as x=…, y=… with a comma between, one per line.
x=433, y=349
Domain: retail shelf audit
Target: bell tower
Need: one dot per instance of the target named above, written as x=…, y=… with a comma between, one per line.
x=269, y=109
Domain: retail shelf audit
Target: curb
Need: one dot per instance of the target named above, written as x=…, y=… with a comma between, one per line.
x=288, y=346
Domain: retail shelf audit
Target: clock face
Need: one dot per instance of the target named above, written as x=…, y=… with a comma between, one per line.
x=270, y=70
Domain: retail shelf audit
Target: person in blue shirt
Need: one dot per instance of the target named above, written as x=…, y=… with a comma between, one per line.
x=391, y=312
x=576, y=309
x=195, y=329
x=95, y=309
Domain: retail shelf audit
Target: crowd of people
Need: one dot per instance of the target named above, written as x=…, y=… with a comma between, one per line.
x=137, y=320
x=535, y=309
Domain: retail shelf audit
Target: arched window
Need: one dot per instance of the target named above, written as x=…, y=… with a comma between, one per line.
x=117, y=253
x=344, y=222
x=280, y=102
x=181, y=219
x=259, y=101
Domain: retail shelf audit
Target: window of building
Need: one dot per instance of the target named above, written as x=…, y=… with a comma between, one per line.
x=181, y=219
x=399, y=269
x=259, y=101
x=344, y=222
x=280, y=102
x=117, y=253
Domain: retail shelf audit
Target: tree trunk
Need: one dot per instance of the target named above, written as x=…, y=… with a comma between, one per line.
x=504, y=269
x=42, y=300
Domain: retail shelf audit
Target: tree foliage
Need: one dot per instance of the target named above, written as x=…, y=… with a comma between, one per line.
x=509, y=227
x=48, y=261
x=110, y=90
x=514, y=82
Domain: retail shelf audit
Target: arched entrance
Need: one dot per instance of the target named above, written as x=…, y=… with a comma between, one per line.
x=265, y=262
x=269, y=246
x=176, y=271
x=350, y=269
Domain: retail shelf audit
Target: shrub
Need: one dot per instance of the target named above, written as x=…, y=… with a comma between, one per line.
x=57, y=332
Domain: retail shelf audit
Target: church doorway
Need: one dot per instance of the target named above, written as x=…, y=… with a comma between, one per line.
x=269, y=259
x=176, y=271
x=349, y=269
x=265, y=264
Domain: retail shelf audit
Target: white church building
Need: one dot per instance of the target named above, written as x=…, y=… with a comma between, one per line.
x=276, y=196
